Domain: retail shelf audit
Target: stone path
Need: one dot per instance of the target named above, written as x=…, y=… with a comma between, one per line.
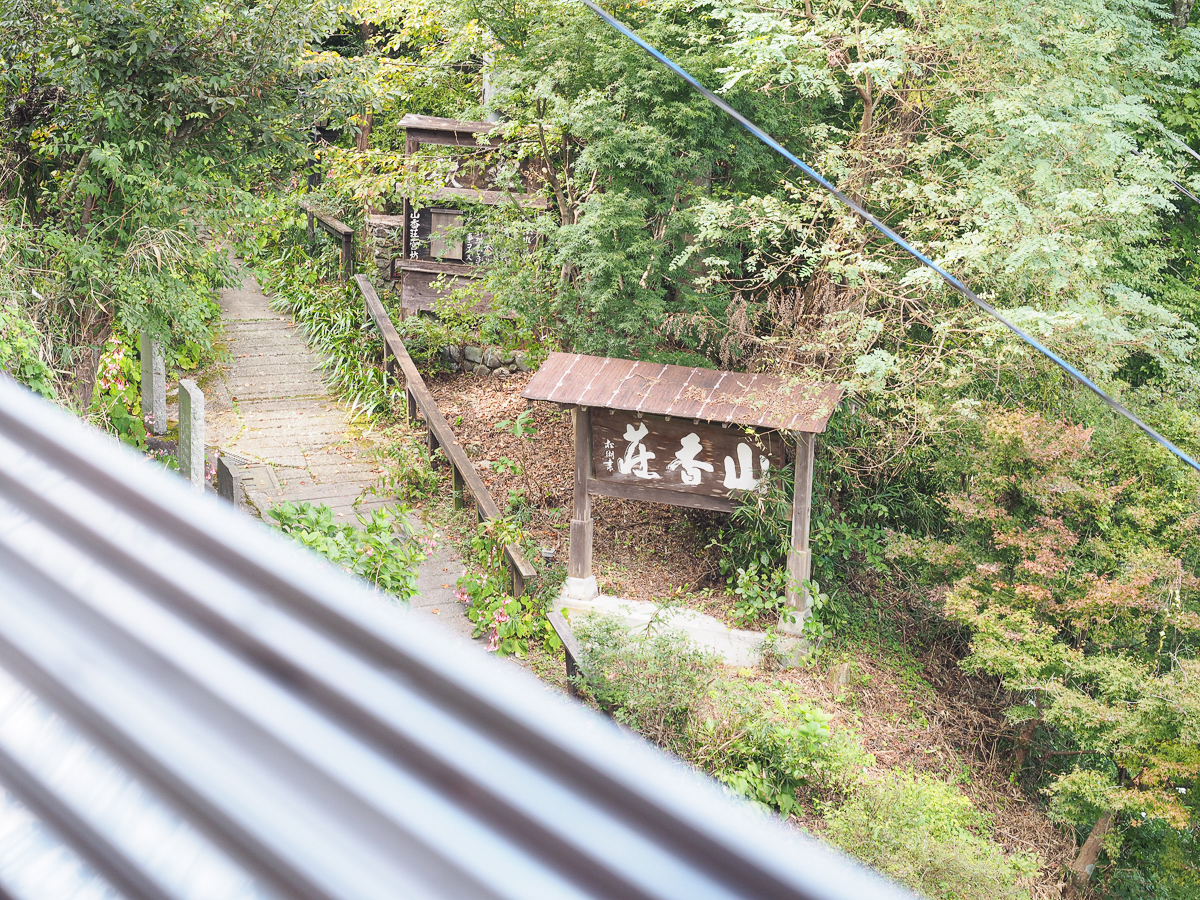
x=270, y=413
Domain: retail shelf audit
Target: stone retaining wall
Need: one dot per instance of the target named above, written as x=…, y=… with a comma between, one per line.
x=476, y=360
x=386, y=242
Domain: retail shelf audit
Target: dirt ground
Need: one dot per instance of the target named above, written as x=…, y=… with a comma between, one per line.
x=915, y=710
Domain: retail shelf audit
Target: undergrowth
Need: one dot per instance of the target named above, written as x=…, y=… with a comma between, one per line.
x=510, y=623
x=768, y=744
x=384, y=551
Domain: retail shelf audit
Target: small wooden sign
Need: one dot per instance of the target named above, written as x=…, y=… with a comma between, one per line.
x=680, y=460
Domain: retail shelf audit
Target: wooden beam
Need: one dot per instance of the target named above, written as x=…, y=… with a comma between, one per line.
x=571, y=648
x=339, y=229
x=579, y=562
x=328, y=223
x=487, y=198
x=659, y=495
x=800, y=556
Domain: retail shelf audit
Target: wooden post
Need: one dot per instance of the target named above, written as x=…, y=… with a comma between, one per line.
x=459, y=501
x=800, y=556
x=311, y=234
x=518, y=580
x=579, y=564
x=347, y=255
x=412, y=406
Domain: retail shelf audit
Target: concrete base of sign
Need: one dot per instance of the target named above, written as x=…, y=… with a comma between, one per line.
x=581, y=589
x=735, y=647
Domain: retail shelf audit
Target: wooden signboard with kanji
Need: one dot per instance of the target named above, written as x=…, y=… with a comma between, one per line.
x=687, y=437
x=683, y=462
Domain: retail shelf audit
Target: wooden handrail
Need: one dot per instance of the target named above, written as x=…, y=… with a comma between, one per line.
x=440, y=433
x=339, y=229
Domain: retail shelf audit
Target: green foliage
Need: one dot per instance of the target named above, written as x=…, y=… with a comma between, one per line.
x=126, y=132
x=655, y=682
x=509, y=622
x=383, y=550
x=20, y=351
x=1066, y=567
x=408, y=471
x=760, y=593
x=771, y=748
x=522, y=427
x=769, y=763
x=928, y=836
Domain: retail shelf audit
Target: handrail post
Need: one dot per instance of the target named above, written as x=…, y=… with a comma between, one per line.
x=457, y=488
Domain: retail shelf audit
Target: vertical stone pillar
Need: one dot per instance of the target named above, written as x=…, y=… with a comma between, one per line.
x=154, y=385
x=191, y=433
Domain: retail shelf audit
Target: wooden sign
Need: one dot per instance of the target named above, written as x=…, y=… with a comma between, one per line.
x=427, y=238
x=685, y=436
x=681, y=461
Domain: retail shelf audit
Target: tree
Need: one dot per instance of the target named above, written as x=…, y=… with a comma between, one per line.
x=1074, y=579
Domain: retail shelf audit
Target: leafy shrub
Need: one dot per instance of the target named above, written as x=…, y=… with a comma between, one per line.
x=769, y=762
x=116, y=396
x=408, y=467
x=928, y=836
x=20, y=352
x=654, y=682
x=378, y=552
x=1071, y=563
x=509, y=622
x=760, y=593
x=771, y=751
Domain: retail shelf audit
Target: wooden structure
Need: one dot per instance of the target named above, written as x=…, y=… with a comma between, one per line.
x=419, y=400
x=666, y=434
x=433, y=248
x=339, y=229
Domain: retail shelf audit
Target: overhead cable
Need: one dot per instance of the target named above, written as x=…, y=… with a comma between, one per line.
x=952, y=280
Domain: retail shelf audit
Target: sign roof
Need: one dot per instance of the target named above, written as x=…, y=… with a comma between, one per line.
x=764, y=401
x=437, y=123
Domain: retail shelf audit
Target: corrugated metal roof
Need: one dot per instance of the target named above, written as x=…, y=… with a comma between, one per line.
x=764, y=401
x=194, y=707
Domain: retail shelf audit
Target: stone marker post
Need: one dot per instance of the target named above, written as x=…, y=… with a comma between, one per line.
x=227, y=478
x=154, y=385
x=191, y=433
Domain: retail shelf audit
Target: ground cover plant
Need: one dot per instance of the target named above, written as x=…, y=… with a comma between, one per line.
x=383, y=549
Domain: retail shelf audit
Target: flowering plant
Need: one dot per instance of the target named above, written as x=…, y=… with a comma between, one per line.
x=116, y=396
x=509, y=622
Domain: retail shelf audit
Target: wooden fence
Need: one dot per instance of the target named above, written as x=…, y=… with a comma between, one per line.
x=419, y=400
x=339, y=229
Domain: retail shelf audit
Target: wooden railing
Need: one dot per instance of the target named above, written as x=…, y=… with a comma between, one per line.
x=339, y=229
x=466, y=479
